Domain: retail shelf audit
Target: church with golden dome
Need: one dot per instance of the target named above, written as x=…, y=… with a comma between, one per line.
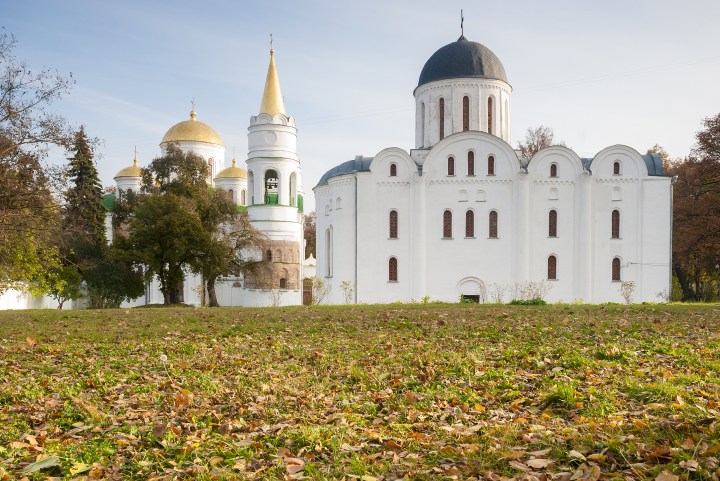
x=269, y=189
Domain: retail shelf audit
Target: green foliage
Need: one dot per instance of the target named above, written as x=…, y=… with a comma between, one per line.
x=112, y=281
x=61, y=282
x=528, y=302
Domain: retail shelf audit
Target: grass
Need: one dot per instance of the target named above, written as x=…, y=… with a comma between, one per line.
x=361, y=392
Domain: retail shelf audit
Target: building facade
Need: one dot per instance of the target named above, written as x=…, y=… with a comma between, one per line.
x=463, y=214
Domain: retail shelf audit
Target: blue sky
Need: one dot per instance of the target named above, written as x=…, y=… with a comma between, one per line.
x=635, y=72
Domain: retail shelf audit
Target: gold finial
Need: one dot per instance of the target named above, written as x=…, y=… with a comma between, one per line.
x=193, y=114
x=272, y=101
x=233, y=163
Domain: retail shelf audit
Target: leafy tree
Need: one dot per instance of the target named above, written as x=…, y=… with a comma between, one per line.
x=537, y=139
x=61, y=282
x=309, y=233
x=178, y=223
x=28, y=213
x=113, y=281
x=696, y=214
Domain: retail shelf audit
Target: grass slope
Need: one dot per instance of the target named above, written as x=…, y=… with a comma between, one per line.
x=363, y=392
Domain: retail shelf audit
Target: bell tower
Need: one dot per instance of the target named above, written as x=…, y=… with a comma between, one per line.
x=275, y=196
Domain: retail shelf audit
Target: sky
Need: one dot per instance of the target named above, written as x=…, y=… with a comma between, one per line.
x=634, y=72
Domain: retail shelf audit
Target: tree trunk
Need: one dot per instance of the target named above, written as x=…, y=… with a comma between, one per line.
x=212, y=297
x=174, y=296
x=687, y=293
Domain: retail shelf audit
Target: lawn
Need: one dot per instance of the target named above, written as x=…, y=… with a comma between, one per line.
x=369, y=393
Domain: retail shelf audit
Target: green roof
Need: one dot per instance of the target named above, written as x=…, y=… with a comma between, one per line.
x=108, y=201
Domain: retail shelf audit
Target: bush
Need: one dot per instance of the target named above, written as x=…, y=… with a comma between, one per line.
x=529, y=302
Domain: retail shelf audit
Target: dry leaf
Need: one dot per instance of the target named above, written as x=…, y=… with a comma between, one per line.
x=666, y=476
x=539, y=463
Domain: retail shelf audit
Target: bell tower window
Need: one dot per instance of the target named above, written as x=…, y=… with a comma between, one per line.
x=471, y=163
x=490, y=115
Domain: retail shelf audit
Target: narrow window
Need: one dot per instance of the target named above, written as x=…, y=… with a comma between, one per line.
x=553, y=170
x=616, y=269
x=471, y=163
x=616, y=224
x=552, y=268
x=466, y=113
x=392, y=269
x=616, y=168
x=393, y=170
x=469, y=223
x=451, y=165
x=231, y=194
x=422, y=123
x=393, y=224
x=490, y=115
x=283, y=283
x=552, y=223
x=447, y=224
x=491, y=165
x=268, y=255
x=328, y=252
x=242, y=197
x=441, y=114
x=493, y=225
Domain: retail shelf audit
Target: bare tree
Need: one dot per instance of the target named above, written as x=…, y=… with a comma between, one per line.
x=537, y=139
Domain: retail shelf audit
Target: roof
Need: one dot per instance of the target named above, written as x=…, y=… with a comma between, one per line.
x=192, y=130
x=358, y=164
x=108, y=201
x=232, y=172
x=462, y=59
x=131, y=171
x=653, y=162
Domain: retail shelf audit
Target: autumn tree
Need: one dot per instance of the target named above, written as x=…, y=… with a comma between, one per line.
x=696, y=215
x=29, y=214
x=537, y=139
x=309, y=233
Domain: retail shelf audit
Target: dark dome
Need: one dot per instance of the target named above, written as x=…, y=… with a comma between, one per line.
x=462, y=59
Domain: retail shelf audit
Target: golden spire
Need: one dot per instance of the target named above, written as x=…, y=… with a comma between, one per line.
x=193, y=114
x=272, y=101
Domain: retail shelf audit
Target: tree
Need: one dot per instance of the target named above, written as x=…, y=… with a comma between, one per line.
x=113, y=281
x=28, y=125
x=662, y=153
x=61, y=282
x=178, y=223
x=696, y=214
x=309, y=232
x=536, y=140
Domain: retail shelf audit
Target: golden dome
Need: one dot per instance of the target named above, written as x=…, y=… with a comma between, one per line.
x=192, y=130
x=232, y=172
x=132, y=171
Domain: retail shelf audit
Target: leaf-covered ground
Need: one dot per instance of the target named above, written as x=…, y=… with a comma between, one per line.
x=365, y=392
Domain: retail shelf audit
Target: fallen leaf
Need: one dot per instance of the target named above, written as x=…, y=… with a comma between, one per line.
x=666, y=476
x=577, y=455
x=159, y=430
x=78, y=468
x=539, y=463
x=42, y=464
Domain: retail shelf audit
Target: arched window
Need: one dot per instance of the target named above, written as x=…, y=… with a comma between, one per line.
x=466, y=113
x=552, y=268
x=616, y=168
x=451, y=165
x=392, y=269
x=490, y=115
x=616, y=269
x=552, y=223
x=553, y=169
x=268, y=255
x=616, y=193
x=338, y=203
x=393, y=224
x=231, y=194
x=242, y=197
x=283, y=283
x=328, y=252
x=422, y=123
x=471, y=163
x=493, y=224
x=277, y=255
x=615, y=234
x=441, y=114
x=393, y=170
x=447, y=224
x=491, y=165
x=469, y=223
x=271, y=194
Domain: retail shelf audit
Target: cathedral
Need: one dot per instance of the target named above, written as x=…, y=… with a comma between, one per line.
x=270, y=190
x=464, y=215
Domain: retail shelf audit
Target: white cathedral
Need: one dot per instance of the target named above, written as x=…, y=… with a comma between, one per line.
x=462, y=213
